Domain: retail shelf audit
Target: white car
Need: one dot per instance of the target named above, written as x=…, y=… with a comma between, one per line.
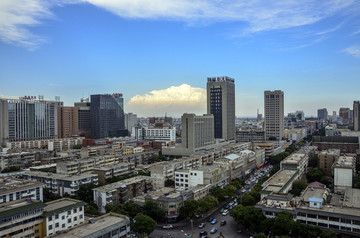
x=225, y=212
x=167, y=226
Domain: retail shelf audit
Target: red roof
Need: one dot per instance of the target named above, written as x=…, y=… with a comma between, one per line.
x=316, y=185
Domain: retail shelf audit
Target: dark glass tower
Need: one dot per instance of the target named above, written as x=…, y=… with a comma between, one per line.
x=107, y=115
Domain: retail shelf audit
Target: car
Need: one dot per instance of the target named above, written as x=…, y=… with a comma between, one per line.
x=230, y=208
x=214, y=221
x=222, y=210
x=201, y=225
x=210, y=219
x=223, y=223
x=247, y=187
x=203, y=233
x=235, y=204
x=225, y=212
x=243, y=190
x=167, y=226
x=213, y=230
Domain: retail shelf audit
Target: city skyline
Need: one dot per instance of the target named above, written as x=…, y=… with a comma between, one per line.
x=159, y=57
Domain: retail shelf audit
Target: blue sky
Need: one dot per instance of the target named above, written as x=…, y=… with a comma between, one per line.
x=159, y=53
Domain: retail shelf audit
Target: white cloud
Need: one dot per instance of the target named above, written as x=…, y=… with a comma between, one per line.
x=174, y=101
x=16, y=16
x=8, y=97
x=353, y=51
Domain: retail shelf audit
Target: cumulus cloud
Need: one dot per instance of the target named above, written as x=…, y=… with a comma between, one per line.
x=174, y=101
x=16, y=16
x=353, y=51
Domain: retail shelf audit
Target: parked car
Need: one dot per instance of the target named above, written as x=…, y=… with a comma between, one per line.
x=214, y=221
x=201, y=225
x=222, y=210
x=210, y=219
x=225, y=212
x=203, y=233
x=223, y=223
x=168, y=226
x=213, y=230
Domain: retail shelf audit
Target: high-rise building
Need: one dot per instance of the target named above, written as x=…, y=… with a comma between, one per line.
x=68, y=122
x=131, y=121
x=197, y=131
x=4, y=121
x=345, y=114
x=221, y=104
x=356, y=116
x=31, y=119
x=84, y=117
x=334, y=117
x=322, y=114
x=274, y=114
x=107, y=115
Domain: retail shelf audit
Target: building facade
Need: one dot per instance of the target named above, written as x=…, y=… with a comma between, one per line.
x=15, y=189
x=107, y=115
x=274, y=114
x=84, y=122
x=221, y=104
x=356, y=116
x=343, y=171
x=327, y=159
x=68, y=122
x=344, y=113
x=4, y=121
x=166, y=133
x=322, y=114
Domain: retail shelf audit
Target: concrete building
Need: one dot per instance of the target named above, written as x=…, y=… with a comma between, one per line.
x=268, y=146
x=61, y=183
x=330, y=130
x=327, y=159
x=50, y=144
x=274, y=114
x=349, y=144
x=21, y=218
x=296, y=161
x=109, y=225
x=107, y=115
x=85, y=165
x=31, y=119
x=121, y=192
x=115, y=170
x=62, y=214
x=221, y=104
x=296, y=134
x=12, y=189
x=322, y=114
x=4, y=121
x=131, y=121
x=250, y=136
x=343, y=171
x=197, y=131
x=84, y=122
x=164, y=132
x=344, y=113
x=68, y=122
x=356, y=116
x=21, y=160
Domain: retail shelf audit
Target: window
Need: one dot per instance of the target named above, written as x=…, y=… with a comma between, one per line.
x=63, y=226
x=80, y=209
x=50, y=227
x=75, y=218
x=69, y=212
x=75, y=210
x=123, y=228
x=57, y=216
x=63, y=217
x=81, y=216
x=57, y=224
x=69, y=220
x=50, y=218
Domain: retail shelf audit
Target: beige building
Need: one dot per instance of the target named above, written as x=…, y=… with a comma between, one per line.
x=343, y=171
x=267, y=146
x=296, y=161
x=274, y=114
x=4, y=122
x=356, y=111
x=327, y=159
x=221, y=104
x=68, y=121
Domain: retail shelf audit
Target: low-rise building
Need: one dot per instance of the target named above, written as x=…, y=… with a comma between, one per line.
x=21, y=160
x=62, y=214
x=113, y=171
x=267, y=146
x=61, y=183
x=15, y=189
x=327, y=159
x=344, y=171
x=109, y=225
x=121, y=192
x=250, y=135
x=296, y=161
x=21, y=218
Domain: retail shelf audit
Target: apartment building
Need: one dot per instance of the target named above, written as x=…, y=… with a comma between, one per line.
x=61, y=183
x=114, y=171
x=12, y=189
x=21, y=160
x=60, y=144
x=121, y=192
x=62, y=214
x=109, y=225
x=162, y=132
x=274, y=114
x=268, y=146
x=327, y=159
x=21, y=218
x=250, y=135
x=296, y=161
x=343, y=171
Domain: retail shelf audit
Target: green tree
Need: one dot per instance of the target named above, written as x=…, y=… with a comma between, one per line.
x=218, y=192
x=230, y=190
x=248, y=200
x=238, y=183
x=85, y=192
x=283, y=223
x=169, y=183
x=204, y=206
x=48, y=196
x=314, y=174
x=357, y=182
x=132, y=208
x=314, y=161
x=212, y=201
x=153, y=211
x=248, y=216
x=190, y=209
x=79, y=146
x=91, y=210
x=260, y=235
x=297, y=187
x=143, y=224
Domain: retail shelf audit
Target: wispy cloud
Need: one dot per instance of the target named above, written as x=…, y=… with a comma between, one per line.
x=16, y=16
x=174, y=100
x=353, y=51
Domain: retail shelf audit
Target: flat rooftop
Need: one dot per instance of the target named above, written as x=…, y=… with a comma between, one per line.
x=313, y=193
x=12, y=185
x=330, y=152
x=63, y=202
x=61, y=176
x=344, y=162
x=87, y=228
x=295, y=158
x=116, y=185
x=278, y=180
x=352, y=197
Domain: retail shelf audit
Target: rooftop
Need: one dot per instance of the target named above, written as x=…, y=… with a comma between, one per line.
x=61, y=176
x=98, y=224
x=116, y=185
x=295, y=158
x=278, y=180
x=344, y=162
x=12, y=185
x=311, y=192
x=16, y=207
x=61, y=205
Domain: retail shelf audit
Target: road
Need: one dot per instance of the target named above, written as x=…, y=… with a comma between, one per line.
x=229, y=230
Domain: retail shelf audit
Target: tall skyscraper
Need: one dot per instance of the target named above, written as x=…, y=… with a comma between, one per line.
x=68, y=121
x=345, y=114
x=131, y=121
x=4, y=121
x=107, y=115
x=221, y=104
x=31, y=119
x=322, y=114
x=274, y=114
x=84, y=117
x=356, y=116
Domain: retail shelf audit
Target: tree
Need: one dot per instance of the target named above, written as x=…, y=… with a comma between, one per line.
x=153, y=211
x=169, y=183
x=260, y=235
x=190, y=209
x=204, y=206
x=132, y=208
x=11, y=169
x=297, y=187
x=85, y=192
x=248, y=200
x=283, y=223
x=314, y=161
x=357, y=182
x=218, y=192
x=143, y=224
x=91, y=210
x=230, y=190
x=314, y=174
x=79, y=146
x=238, y=183
x=212, y=201
x=248, y=216
x=48, y=196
